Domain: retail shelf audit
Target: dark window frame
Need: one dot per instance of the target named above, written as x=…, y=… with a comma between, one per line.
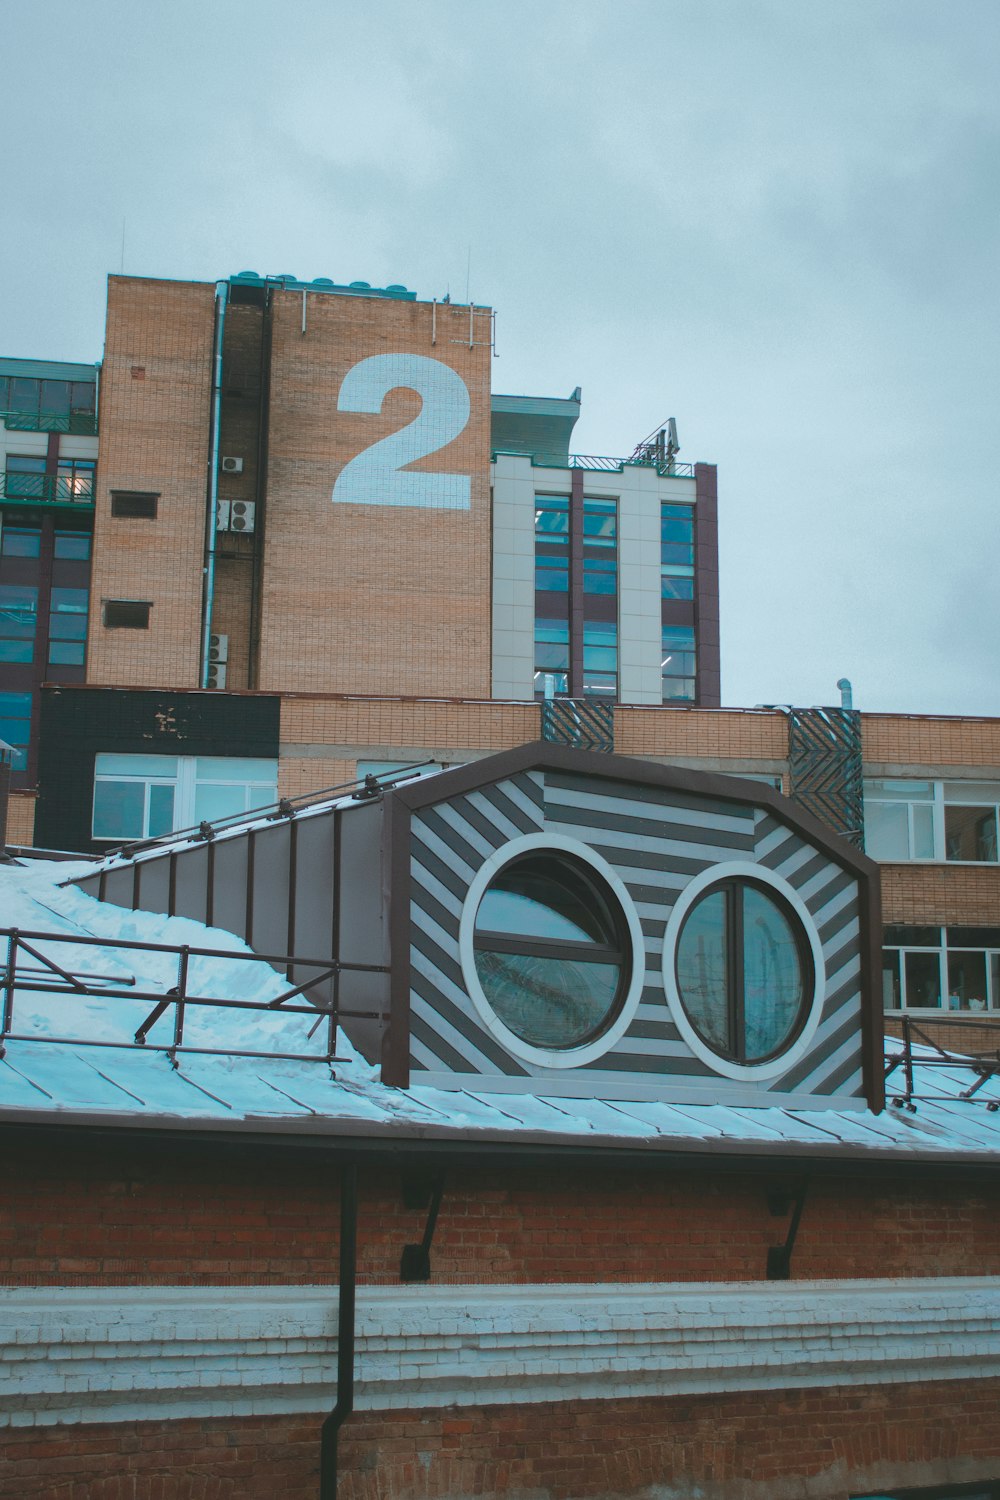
x=135, y=505
x=125, y=614
x=733, y=889
x=486, y=940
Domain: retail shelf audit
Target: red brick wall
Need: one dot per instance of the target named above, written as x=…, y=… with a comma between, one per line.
x=760, y=1445
x=109, y=1217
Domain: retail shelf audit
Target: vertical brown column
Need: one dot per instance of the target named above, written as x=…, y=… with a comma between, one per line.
x=706, y=588
x=576, y=584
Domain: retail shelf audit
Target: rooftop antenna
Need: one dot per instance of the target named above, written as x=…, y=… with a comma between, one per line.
x=468, y=274
x=123, y=248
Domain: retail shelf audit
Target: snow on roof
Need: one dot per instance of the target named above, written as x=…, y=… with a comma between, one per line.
x=88, y=1071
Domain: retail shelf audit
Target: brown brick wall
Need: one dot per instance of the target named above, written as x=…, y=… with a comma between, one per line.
x=397, y=722
x=121, y=1216
x=300, y=776
x=926, y=741
x=928, y=895
x=734, y=733
x=760, y=1445
x=371, y=598
x=154, y=436
x=21, y=818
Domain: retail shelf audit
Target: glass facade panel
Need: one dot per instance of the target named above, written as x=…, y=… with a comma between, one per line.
x=72, y=546
x=119, y=809
x=967, y=981
x=970, y=833
x=887, y=834
x=923, y=980
x=773, y=991
x=18, y=620
x=549, y=950
x=68, y=614
x=703, y=971
x=678, y=663
x=20, y=541
x=15, y=726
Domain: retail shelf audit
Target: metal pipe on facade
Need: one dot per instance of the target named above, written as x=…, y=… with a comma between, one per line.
x=221, y=295
x=345, y=1332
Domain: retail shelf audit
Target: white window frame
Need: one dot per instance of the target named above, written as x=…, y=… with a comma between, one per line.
x=937, y=802
x=941, y=950
x=186, y=784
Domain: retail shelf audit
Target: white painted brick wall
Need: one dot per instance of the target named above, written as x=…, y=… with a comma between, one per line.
x=86, y=1354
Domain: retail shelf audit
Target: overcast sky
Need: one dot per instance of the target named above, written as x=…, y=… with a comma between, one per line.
x=775, y=220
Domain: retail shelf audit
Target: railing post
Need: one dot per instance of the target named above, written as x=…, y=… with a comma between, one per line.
x=8, y=990
x=908, y=1058
x=183, y=958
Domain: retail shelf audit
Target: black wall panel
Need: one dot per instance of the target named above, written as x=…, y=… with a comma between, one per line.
x=78, y=723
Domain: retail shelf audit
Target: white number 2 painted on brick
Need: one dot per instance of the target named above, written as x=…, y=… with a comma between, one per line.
x=374, y=477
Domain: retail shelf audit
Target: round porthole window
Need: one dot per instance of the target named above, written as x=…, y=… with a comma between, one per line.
x=743, y=968
x=549, y=951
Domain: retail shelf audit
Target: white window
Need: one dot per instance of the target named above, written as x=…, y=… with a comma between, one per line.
x=144, y=796
x=954, y=821
x=939, y=969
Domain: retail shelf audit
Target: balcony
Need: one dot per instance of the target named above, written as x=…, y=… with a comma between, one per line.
x=77, y=423
x=48, y=489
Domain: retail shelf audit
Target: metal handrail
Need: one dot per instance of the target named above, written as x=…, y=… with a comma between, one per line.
x=985, y=1064
x=52, y=979
x=666, y=469
x=78, y=423
x=362, y=788
x=47, y=488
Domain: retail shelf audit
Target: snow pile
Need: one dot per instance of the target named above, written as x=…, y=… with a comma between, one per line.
x=34, y=898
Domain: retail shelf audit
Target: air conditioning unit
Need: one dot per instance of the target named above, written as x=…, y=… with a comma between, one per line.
x=218, y=648
x=216, y=674
x=232, y=465
x=241, y=515
x=222, y=515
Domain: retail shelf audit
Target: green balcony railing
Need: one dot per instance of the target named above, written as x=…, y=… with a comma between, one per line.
x=48, y=489
x=78, y=423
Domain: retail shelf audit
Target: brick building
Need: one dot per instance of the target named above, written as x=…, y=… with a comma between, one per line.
x=556, y=1206
x=316, y=548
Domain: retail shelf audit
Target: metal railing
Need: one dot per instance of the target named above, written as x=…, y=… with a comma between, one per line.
x=666, y=468
x=47, y=489
x=40, y=974
x=78, y=423
x=985, y=1065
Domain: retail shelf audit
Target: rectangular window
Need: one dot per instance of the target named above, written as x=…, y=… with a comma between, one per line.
x=15, y=726
x=145, y=796
x=552, y=522
x=576, y=569
x=72, y=546
x=676, y=551
x=26, y=478
x=75, y=479
x=18, y=619
x=68, y=627
x=127, y=614
x=20, y=541
x=955, y=821
x=678, y=664
x=134, y=505
x=927, y=969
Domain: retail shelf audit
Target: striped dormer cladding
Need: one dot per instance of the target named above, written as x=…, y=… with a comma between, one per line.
x=656, y=840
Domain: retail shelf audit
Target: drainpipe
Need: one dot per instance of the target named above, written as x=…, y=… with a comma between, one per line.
x=345, y=1333
x=221, y=294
